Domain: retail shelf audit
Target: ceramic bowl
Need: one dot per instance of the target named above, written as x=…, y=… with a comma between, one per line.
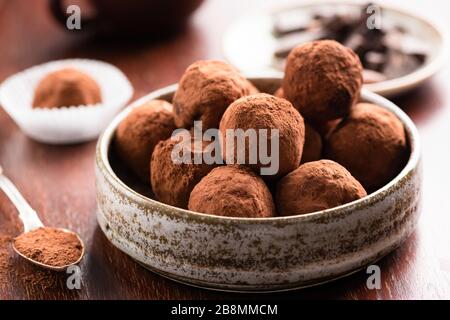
x=260, y=254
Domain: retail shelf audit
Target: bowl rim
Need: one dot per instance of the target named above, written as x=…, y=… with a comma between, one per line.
x=105, y=141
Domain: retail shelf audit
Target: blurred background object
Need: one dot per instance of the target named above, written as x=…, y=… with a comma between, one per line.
x=398, y=49
x=115, y=18
x=387, y=50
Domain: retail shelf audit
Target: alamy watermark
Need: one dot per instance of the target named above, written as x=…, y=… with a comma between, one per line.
x=251, y=146
x=73, y=21
x=374, y=280
x=74, y=279
x=374, y=17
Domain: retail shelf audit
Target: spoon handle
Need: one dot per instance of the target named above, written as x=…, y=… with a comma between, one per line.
x=28, y=216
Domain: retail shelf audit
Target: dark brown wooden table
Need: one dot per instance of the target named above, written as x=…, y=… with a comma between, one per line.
x=58, y=181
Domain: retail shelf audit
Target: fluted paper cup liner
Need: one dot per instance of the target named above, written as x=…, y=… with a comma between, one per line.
x=70, y=124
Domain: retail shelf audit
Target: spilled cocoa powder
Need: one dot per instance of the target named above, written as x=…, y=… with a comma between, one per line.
x=50, y=246
x=9, y=227
x=4, y=253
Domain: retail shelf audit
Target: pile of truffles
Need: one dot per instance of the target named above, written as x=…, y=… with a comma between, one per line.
x=333, y=149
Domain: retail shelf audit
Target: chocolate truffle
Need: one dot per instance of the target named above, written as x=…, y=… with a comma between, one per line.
x=205, y=90
x=316, y=186
x=173, y=182
x=232, y=191
x=138, y=134
x=322, y=79
x=66, y=88
x=371, y=144
x=264, y=111
x=325, y=128
x=312, y=150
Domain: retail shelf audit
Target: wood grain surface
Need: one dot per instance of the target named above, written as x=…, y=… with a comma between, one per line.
x=58, y=181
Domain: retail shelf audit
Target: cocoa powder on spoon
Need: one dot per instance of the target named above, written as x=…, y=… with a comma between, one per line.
x=50, y=246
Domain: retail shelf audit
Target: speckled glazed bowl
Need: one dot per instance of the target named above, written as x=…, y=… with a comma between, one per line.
x=262, y=254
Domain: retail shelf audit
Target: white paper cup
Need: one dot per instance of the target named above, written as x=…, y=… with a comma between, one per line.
x=70, y=124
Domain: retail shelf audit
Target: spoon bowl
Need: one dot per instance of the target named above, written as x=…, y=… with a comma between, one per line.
x=32, y=222
x=50, y=267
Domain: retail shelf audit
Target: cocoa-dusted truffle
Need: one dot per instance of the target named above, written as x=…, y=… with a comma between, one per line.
x=232, y=191
x=325, y=128
x=65, y=88
x=371, y=144
x=138, y=134
x=205, y=90
x=322, y=80
x=312, y=150
x=173, y=182
x=316, y=186
x=264, y=111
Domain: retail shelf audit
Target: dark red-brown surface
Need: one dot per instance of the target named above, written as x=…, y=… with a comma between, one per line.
x=59, y=181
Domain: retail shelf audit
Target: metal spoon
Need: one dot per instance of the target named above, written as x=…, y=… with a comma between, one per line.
x=31, y=220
